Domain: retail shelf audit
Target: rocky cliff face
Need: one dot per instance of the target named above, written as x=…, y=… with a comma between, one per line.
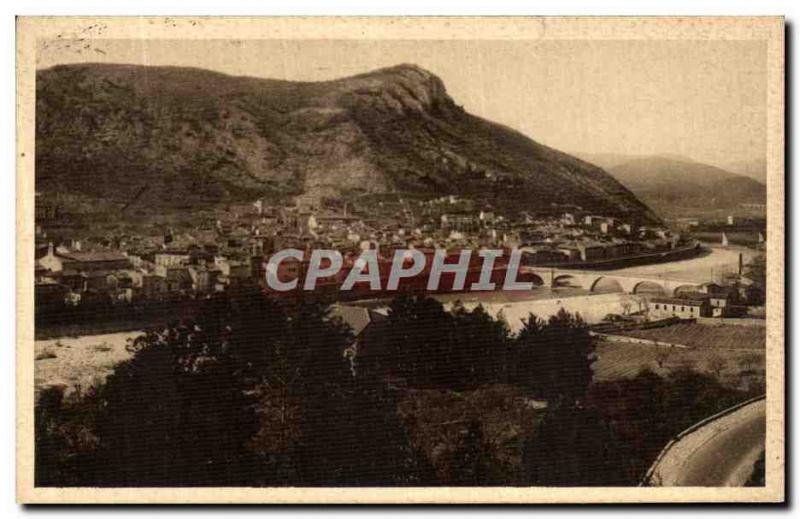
x=186, y=137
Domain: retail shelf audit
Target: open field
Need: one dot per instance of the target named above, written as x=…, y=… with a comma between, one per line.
x=751, y=338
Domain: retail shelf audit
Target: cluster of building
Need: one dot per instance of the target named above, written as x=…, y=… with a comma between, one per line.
x=594, y=239
x=70, y=274
x=227, y=247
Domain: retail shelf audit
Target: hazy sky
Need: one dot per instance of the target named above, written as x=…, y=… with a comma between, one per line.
x=702, y=99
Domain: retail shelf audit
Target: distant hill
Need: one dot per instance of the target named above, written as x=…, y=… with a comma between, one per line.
x=668, y=182
x=171, y=137
x=605, y=160
x=755, y=169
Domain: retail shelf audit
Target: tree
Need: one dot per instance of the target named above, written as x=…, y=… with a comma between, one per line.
x=179, y=413
x=480, y=347
x=748, y=362
x=642, y=305
x=626, y=305
x=64, y=438
x=555, y=358
x=419, y=341
x=572, y=447
x=755, y=295
x=756, y=271
x=336, y=428
x=526, y=352
x=429, y=346
x=716, y=364
x=663, y=354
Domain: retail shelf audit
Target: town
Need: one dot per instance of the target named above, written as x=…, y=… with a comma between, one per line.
x=230, y=247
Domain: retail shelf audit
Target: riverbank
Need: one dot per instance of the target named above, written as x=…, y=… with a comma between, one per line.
x=120, y=318
x=77, y=363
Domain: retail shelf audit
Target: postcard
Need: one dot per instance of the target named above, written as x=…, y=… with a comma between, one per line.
x=400, y=260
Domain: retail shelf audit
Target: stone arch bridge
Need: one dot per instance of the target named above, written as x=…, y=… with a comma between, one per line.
x=599, y=281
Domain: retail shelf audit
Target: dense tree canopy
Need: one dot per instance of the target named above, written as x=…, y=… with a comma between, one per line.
x=554, y=357
x=255, y=392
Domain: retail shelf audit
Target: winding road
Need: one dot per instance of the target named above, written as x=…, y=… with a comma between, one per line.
x=718, y=452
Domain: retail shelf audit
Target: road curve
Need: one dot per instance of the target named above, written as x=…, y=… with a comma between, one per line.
x=718, y=452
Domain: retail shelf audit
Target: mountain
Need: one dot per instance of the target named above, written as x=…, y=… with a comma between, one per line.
x=607, y=161
x=755, y=169
x=171, y=137
x=670, y=182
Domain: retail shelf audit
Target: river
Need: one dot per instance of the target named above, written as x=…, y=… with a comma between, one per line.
x=700, y=269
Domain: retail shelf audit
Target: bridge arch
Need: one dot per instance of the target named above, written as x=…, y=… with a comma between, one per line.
x=649, y=288
x=606, y=284
x=567, y=280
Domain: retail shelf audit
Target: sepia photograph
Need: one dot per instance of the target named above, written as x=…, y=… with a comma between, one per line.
x=400, y=260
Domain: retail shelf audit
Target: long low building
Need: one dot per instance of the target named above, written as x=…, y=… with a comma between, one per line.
x=685, y=308
x=78, y=261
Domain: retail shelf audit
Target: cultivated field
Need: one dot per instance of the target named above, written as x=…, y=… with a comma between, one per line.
x=622, y=360
x=707, y=336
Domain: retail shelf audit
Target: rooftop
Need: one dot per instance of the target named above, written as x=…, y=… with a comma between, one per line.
x=93, y=256
x=678, y=301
